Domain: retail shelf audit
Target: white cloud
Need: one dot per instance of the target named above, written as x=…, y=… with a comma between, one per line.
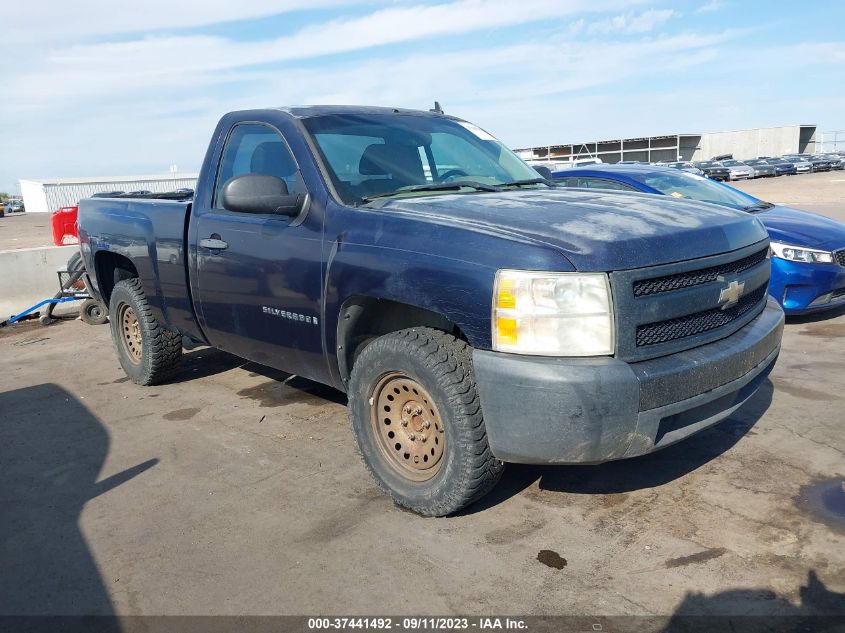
x=46, y=20
x=88, y=70
x=169, y=124
x=633, y=23
x=827, y=52
x=709, y=7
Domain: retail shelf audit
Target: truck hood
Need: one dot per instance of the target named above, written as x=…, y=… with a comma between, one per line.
x=802, y=228
x=596, y=231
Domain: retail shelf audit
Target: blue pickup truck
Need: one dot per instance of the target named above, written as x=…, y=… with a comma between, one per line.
x=472, y=313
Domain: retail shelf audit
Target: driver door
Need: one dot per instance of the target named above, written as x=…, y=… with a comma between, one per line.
x=259, y=275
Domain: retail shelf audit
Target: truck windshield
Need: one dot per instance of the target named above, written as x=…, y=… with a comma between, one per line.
x=383, y=155
x=686, y=185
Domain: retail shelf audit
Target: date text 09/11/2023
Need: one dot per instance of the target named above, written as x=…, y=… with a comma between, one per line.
x=417, y=623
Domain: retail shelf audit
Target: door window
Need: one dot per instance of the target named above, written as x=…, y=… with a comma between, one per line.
x=253, y=148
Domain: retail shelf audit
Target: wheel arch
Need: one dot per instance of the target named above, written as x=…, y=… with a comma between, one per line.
x=363, y=318
x=110, y=269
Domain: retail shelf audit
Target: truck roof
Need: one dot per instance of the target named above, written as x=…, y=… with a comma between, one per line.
x=304, y=112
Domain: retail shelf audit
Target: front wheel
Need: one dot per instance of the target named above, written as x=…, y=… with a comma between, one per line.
x=148, y=352
x=417, y=418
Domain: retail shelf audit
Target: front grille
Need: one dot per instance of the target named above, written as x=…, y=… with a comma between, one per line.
x=669, y=283
x=840, y=257
x=692, y=324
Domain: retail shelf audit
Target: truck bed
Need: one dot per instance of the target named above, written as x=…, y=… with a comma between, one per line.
x=150, y=233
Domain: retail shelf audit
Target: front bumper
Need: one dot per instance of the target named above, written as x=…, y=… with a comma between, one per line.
x=542, y=410
x=802, y=288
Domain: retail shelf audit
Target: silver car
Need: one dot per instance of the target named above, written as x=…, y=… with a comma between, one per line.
x=738, y=169
x=836, y=161
x=801, y=166
x=762, y=168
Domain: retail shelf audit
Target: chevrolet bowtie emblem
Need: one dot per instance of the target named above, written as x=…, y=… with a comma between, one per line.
x=730, y=295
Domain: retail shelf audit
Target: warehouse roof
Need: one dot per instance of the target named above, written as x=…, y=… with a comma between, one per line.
x=655, y=137
x=106, y=179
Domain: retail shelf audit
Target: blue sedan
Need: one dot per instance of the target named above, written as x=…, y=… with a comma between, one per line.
x=808, y=250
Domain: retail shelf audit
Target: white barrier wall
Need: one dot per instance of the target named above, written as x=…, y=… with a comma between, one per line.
x=28, y=276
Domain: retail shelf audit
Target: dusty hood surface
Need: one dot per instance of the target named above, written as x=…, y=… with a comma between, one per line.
x=598, y=231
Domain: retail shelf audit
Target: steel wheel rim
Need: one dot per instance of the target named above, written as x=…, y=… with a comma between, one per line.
x=407, y=426
x=130, y=334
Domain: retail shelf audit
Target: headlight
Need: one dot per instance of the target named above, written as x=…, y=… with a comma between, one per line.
x=552, y=314
x=799, y=254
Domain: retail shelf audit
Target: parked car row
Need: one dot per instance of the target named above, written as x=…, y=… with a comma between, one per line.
x=807, y=250
x=725, y=167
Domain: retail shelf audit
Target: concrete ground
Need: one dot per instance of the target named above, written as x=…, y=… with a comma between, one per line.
x=823, y=192
x=25, y=230
x=237, y=490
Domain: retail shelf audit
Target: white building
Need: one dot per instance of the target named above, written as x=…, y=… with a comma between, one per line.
x=42, y=196
x=743, y=144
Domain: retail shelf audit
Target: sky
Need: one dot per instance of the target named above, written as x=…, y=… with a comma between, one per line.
x=115, y=88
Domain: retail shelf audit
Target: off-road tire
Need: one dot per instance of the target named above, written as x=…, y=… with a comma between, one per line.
x=442, y=366
x=160, y=352
x=93, y=312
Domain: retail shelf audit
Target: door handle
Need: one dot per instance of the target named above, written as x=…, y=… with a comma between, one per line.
x=213, y=243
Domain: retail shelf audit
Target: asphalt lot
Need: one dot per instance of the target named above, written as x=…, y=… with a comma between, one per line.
x=237, y=490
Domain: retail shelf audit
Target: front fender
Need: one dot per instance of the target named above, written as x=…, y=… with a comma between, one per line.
x=457, y=290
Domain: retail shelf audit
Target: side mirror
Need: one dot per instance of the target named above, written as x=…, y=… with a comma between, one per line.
x=258, y=193
x=544, y=171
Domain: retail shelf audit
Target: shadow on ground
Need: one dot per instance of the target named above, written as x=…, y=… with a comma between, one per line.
x=818, y=610
x=207, y=361
x=51, y=452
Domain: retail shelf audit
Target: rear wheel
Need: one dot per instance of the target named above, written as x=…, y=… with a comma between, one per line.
x=417, y=419
x=148, y=352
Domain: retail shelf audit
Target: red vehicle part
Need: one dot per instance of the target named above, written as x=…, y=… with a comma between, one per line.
x=64, y=226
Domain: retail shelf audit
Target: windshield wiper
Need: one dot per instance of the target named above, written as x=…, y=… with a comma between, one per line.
x=761, y=205
x=527, y=181
x=456, y=185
